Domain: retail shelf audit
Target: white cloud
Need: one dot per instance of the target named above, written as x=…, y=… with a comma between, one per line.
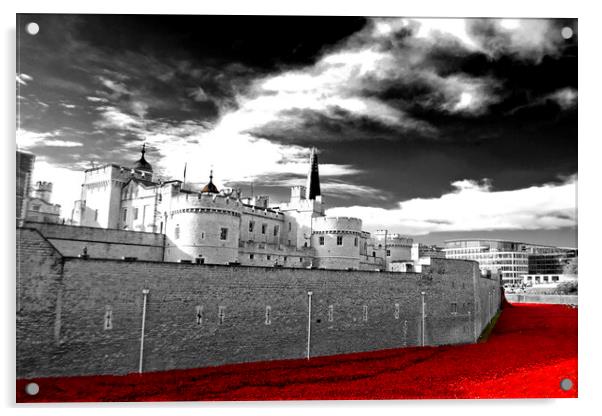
x=528, y=39
x=139, y=108
x=117, y=88
x=565, y=97
x=473, y=206
x=435, y=28
x=112, y=117
x=28, y=139
x=97, y=99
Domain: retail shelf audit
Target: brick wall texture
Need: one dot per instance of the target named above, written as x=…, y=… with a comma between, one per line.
x=78, y=316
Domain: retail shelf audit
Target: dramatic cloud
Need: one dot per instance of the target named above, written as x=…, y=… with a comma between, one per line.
x=475, y=206
x=398, y=108
x=353, y=79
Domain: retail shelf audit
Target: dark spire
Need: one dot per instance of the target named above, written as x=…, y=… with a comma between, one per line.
x=313, y=177
x=142, y=164
x=210, y=188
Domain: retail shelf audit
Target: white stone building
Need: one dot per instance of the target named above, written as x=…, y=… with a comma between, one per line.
x=39, y=207
x=221, y=227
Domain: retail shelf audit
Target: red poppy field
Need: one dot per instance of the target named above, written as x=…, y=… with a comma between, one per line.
x=531, y=349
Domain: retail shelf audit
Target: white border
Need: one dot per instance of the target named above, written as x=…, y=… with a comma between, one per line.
x=589, y=196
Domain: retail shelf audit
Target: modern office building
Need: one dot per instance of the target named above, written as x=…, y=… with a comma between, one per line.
x=511, y=259
x=25, y=163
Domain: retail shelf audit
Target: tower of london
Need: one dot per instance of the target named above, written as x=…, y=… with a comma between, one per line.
x=212, y=226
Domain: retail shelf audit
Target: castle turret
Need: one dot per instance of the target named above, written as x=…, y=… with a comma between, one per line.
x=43, y=191
x=142, y=164
x=313, y=177
x=210, y=188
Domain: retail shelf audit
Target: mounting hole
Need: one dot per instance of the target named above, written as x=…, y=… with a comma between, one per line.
x=566, y=384
x=566, y=32
x=32, y=28
x=32, y=389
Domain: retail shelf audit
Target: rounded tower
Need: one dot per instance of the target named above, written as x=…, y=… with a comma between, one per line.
x=203, y=227
x=336, y=242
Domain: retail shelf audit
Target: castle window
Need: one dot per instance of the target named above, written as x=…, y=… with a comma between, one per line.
x=125, y=214
x=95, y=215
x=454, y=307
x=268, y=257
x=355, y=242
x=268, y=312
x=388, y=252
x=330, y=313
x=397, y=311
x=199, y=315
x=223, y=235
x=135, y=213
x=321, y=241
x=251, y=256
x=177, y=231
x=289, y=226
x=221, y=314
x=285, y=258
x=365, y=315
x=374, y=254
x=35, y=207
x=300, y=259
x=264, y=227
x=289, y=242
x=108, y=317
x=251, y=226
x=339, y=240
x=275, y=230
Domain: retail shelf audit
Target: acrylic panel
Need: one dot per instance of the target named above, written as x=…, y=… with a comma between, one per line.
x=217, y=208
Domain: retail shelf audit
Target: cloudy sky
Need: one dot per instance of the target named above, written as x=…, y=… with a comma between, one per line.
x=439, y=128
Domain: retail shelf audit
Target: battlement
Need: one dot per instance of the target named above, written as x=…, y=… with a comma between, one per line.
x=336, y=224
x=183, y=200
x=43, y=186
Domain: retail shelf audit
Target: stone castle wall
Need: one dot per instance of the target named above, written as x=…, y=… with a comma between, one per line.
x=70, y=240
x=78, y=316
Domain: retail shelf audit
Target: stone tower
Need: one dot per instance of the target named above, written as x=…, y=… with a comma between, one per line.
x=313, y=177
x=43, y=190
